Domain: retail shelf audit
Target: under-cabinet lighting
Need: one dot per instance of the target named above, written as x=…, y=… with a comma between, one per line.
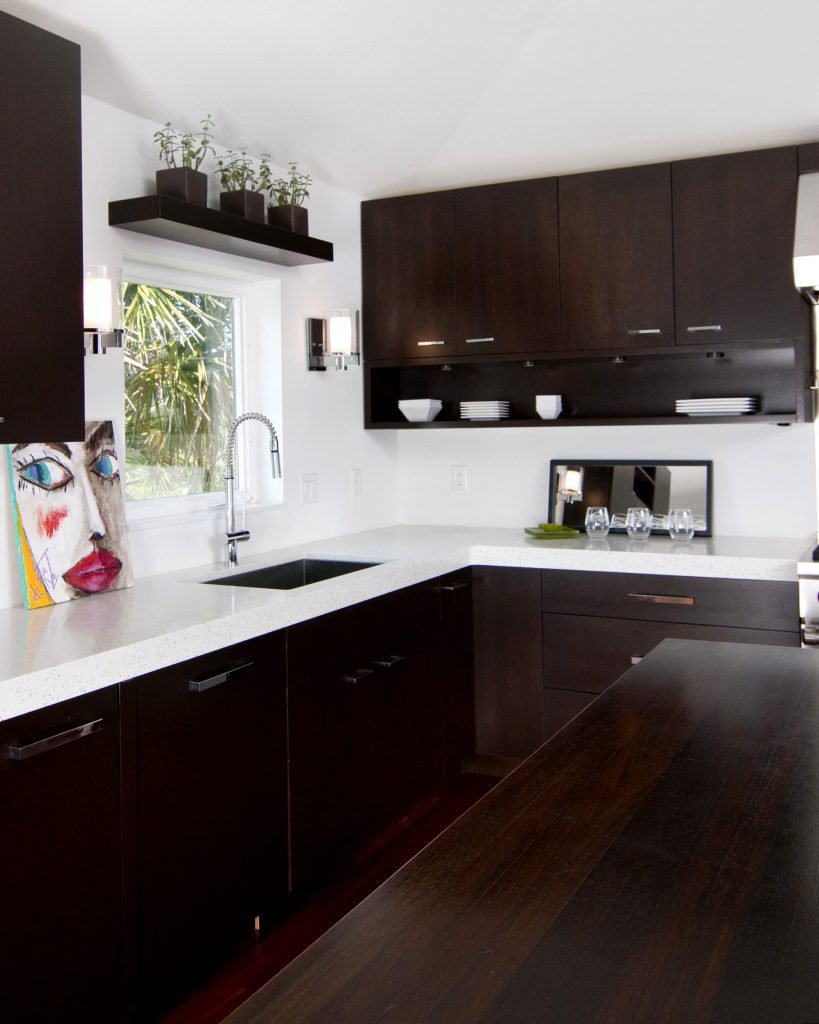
x=102, y=314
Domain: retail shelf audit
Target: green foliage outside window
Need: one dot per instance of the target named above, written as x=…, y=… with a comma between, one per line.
x=179, y=396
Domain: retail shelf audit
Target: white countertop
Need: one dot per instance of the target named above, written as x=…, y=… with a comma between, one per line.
x=52, y=654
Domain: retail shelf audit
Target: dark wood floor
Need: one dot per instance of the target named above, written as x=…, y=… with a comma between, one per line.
x=372, y=864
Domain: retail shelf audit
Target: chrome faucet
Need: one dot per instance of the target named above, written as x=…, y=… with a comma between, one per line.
x=234, y=535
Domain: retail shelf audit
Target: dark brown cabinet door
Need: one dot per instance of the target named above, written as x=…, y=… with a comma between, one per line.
x=408, y=276
x=733, y=247
x=365, y=738
x=456, y=661
x=506, y=268
x=60, y=863
x=41, y=386
x=508, y=669
x=206, y=766
x=616, y=274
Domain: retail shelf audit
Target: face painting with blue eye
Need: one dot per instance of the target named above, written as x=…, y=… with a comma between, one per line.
x=70, y=516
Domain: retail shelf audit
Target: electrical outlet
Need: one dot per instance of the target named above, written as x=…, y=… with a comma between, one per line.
x=459, y=478
x=355, y=482
x=309, y=488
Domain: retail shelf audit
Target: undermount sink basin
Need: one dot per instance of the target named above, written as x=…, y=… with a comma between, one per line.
x=290, y=575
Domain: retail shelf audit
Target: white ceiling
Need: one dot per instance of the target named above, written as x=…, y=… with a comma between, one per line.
x=388, y=96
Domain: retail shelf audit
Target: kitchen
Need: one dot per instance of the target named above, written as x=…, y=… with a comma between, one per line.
x=764, y=475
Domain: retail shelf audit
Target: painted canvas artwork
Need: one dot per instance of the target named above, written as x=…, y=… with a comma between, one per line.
x=70, y=517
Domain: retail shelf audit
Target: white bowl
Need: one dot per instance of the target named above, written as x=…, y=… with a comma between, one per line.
x=420, y=403
x=420, y=414
x=549, y=414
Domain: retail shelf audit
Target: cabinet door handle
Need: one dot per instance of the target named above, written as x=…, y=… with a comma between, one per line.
x=357, y=674
x=390, y=660
x=208, y=682
x=477, y=341
x=636, y=659
x=428, y=344
x=645, y=330
x=660, y=599
x=704, y=327
x=450, y=588
x=59, y=739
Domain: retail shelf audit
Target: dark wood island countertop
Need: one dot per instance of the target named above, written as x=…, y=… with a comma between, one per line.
x=656, y=861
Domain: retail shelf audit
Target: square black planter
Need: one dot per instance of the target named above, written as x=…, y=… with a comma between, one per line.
x=243, y=203
x=183, y=183
x=292, y=218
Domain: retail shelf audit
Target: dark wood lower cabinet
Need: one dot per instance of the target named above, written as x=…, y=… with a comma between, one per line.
x=205, y=755
x=60, y=864
x=365, y=737
x=457, y=666
x=508, y=669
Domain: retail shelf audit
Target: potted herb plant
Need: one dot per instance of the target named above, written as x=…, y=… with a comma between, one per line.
x=243, y=185
x=290, y=193
x=184, y=154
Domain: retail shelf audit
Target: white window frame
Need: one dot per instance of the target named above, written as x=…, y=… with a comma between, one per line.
x=241, y=289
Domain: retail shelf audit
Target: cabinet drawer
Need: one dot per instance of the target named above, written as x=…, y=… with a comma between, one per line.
x=750, y=604
x=582, y=652
x=320, y=644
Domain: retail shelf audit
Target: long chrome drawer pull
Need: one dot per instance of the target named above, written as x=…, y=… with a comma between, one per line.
x=59, y=739
x=390, y=660
x=477, y=341
x=636, y=659
x=200, y=685
x=646, y=330
x=450, y=588
x=427, y=344
x=704, y=327
x=660, y=599
x=359, y=673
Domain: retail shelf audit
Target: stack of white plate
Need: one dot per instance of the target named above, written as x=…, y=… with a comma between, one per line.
x=717, y=406
x=548, y=407
x=484, y=410
x=420, y=410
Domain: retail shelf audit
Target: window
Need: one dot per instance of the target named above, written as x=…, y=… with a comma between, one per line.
x=180, y=389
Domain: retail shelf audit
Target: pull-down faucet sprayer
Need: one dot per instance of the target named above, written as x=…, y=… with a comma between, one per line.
x=234, y=535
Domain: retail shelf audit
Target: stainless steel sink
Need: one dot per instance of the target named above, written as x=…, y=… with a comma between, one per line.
x=290, y=575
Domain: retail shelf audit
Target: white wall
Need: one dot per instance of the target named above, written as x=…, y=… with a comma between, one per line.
x=322, y=412
x=764, y=475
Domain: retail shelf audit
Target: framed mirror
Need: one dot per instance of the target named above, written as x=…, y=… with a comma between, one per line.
x=576, y=484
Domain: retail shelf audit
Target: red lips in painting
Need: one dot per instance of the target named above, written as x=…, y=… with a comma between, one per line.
x=94, y=573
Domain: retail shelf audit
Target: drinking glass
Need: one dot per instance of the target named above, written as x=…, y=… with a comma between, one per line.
x=681, y=524
x=597, y=521
x=638, y=523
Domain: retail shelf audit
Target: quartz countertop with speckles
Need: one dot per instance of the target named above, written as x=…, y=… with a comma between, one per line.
x=52, y=654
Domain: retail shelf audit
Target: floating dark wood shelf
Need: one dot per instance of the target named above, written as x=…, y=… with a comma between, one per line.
x=178, y=221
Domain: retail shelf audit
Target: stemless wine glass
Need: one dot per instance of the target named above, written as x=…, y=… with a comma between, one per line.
x=638, y=523
x=681, y=524
x=597, y=521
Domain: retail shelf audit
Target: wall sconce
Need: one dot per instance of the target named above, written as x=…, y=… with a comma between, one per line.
x=570, y=486
x=102, y=309
x=335, y=338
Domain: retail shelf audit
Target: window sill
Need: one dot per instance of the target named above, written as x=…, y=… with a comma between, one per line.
x=138, y=521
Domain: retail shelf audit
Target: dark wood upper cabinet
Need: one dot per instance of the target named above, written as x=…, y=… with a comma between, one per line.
x=408, y=272
x=733, y=248
x=41, y=387
x=506, y=268
x=616, y=272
